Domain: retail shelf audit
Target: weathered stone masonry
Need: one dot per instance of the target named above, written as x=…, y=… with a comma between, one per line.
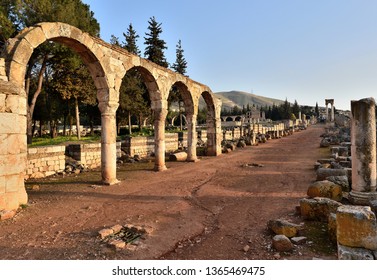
x=107, y=65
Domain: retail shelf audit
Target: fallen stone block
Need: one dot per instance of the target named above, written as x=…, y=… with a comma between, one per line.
x=349, y=253
x=116, y=228
x=117, y=244
x=356, y=227
x=318, y=208
x=324, y=173
x=325, y=189
x=341, y=181
x=283, y=227
x=103, y=233
x=181, y=156
x=282, y=243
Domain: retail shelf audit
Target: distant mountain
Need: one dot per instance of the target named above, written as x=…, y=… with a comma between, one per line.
x=240, y=98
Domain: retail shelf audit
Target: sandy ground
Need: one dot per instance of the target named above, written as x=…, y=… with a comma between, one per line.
x=210, y=209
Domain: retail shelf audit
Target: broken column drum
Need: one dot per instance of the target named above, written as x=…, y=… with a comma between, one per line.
x=363, y=149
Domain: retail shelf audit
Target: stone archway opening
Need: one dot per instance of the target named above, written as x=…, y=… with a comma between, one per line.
x=213, y=123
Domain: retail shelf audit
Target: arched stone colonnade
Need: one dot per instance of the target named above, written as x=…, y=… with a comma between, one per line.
x=107, y=65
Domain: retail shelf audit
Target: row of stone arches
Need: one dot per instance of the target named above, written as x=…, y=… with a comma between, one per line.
x=107, y=65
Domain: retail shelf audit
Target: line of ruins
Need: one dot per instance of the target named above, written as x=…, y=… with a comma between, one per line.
x=108, y=65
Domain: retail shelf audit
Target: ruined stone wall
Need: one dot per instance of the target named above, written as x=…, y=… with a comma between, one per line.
x=89, y=155
x=12, y=143
x=144, y=146
x=44, y=161
x=202, y=135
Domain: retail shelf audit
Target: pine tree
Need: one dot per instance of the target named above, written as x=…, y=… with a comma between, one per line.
x=155, y=46
x=130, y=43
x=114, y=41
x=180, y=64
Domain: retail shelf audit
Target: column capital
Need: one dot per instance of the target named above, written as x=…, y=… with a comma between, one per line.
x=108, y=108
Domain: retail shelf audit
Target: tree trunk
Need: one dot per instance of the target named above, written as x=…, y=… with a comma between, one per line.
x=129, y=124
x=64, y=124
x=77, y=119
x=31, y=106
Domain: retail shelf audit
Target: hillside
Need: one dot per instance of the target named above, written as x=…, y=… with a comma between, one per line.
x=239, y=98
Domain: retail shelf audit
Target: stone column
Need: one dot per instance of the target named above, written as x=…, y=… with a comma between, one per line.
x=332, y=111
x=191, y=138
x=363, y=150
x=108, y=142
x=159, y=139
x=327, y=111
x=299, y=116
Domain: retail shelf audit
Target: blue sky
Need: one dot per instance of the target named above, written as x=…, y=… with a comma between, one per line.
x=300, y=50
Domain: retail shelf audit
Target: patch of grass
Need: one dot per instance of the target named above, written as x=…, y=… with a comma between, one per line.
x=44, y=141
x=24, y=206
x=317, y=232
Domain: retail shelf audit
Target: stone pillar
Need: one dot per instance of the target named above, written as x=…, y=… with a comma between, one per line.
x=108, y=142
x=191, y=138
x=303, y=120
x=214, y=130
x=327, y=111
x=332, y=112
x=159, y=139
x=13, y=147
x=299, y=115
x=363, y=150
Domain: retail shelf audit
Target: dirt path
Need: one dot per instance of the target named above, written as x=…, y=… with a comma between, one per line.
x=206, y=210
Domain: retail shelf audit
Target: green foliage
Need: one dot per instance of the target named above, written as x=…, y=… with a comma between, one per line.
x=43, y=141
x=131, y=38
x=154, y=50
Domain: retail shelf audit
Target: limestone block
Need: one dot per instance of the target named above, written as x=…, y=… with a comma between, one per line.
x=23, y=53
x=17, y=144
x=117, y=244
x=12, y=164
x=14, y=182
x=323, y=173
x=349, y=253
x=103, y=233
x=283, y=227
x=331, y=226
x=282, y=243
x=36, y=37
x=2, y=102
x=325, y=189
x=181, y=156
x=341, y=181
x=318, y=208
x=2, y=185
x=356, y=227
x=12, y=123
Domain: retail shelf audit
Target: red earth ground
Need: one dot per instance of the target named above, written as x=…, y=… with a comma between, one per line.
x=210, y=209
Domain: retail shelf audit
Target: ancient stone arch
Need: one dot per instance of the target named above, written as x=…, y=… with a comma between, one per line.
x=107, y=65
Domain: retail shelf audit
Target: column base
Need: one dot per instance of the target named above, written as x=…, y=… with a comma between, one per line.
x=362, y=198
x=110, y=182
x=158, y=168
x=193, y=160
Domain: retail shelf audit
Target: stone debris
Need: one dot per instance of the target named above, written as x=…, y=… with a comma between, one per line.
x=283, y=227
x=180, y=156
x=356, y=227
x=246, y=248
x=103, y=233
x=7, y=214
x=341, y=181
x=253, y=165
x=299, y=240
x=120, y=237
x=349, y=253
x=282, y=243
x=325, y=189
x=318, y=208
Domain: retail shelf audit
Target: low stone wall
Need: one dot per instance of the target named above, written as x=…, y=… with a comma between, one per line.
x=44, y=161
x=88, y=154
x=144, y=146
